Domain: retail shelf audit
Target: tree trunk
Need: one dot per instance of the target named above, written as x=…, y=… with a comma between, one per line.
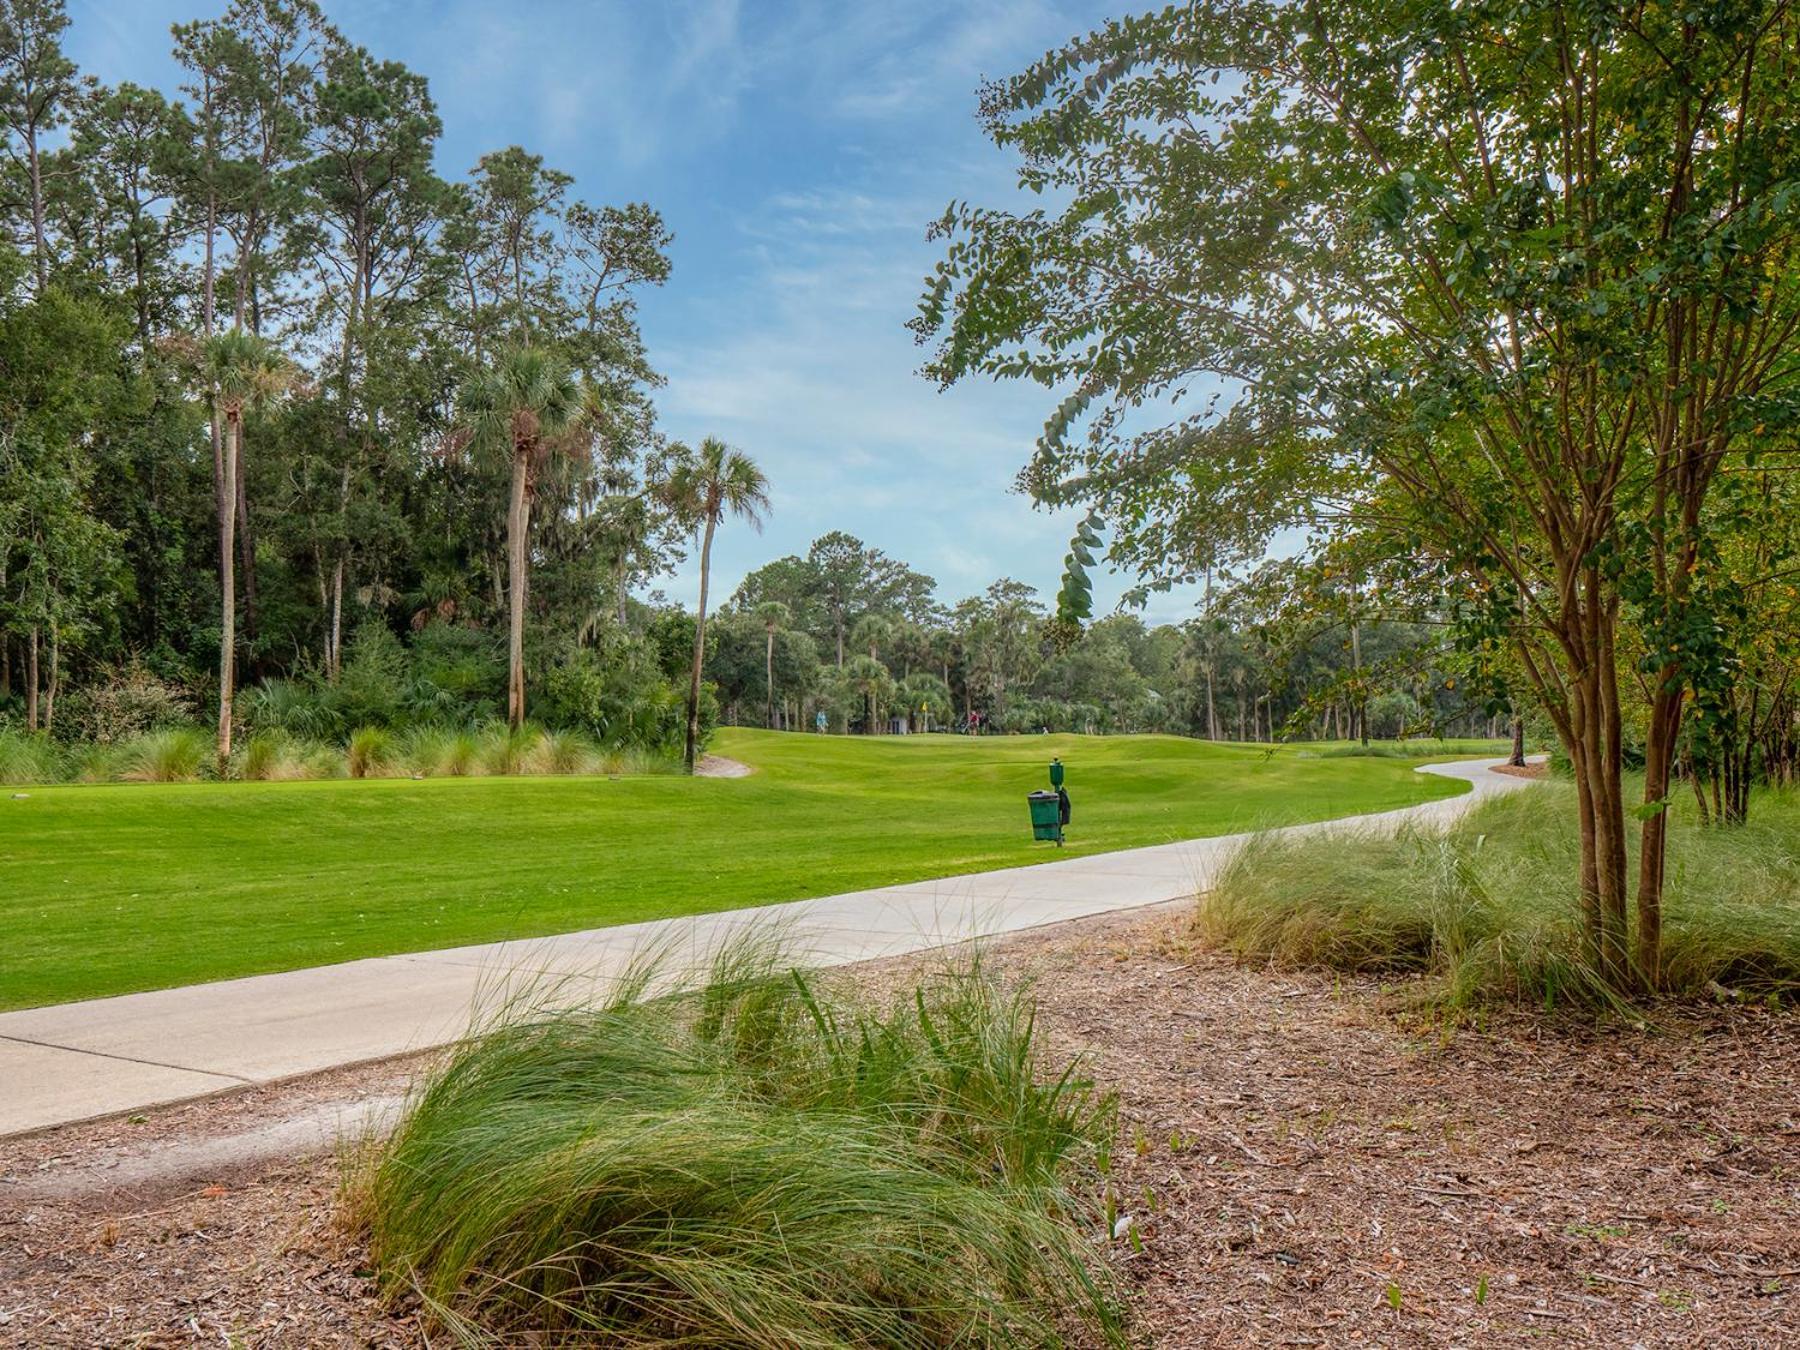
x=693, y=704
x=55, y=682
x=518, y=522
x=227, y=587
x=246, y=546
x=1659, y=754
x=334, y=640
x=769, y=680
x=40, y=248
x=1517, y=758
x=1590, y=728
x=31, y=679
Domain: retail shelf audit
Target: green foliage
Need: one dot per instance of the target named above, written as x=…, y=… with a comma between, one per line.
x=174, y=755
x=127, y=703
x=28, y=757
x=372, y=752
x=1481, y=910
x=760, y=1158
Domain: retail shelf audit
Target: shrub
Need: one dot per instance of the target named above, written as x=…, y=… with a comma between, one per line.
x=371, y=752
x=300, y=707
x=757, y=1161
x=176, y=755
x=1487, y=908
x=373, y=685
x=458, y=674
x=129, y=702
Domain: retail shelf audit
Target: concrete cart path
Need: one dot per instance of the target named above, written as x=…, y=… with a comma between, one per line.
x=76, y=1061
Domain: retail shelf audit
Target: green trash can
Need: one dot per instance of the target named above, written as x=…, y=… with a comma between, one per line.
x=1046, y=816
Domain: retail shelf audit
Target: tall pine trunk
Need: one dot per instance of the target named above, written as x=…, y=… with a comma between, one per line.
x=228, y=585
x=693, y=702
x=518, y=524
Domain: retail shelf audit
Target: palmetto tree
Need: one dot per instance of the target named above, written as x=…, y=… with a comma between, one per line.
x=527, y=408
x=872, y=680
x=238, y=371
x=870, y=632
x=773, y=614
x=701, y=489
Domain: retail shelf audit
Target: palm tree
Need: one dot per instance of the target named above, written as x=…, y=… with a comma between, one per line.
x=871, y=631
x=526, y=407
x=773, y=615
x=871, y=679
x=927, y=695
x=701, y=489
x=238, y=370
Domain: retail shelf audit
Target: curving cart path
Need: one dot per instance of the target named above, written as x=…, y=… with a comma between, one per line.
x=78, y=1061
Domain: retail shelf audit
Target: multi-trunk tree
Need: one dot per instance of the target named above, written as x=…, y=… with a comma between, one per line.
x=1511, y=285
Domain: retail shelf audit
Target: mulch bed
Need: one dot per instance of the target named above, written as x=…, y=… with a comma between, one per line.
x=1304, y=1162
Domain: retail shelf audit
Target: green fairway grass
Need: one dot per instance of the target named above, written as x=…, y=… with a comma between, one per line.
x=109, y=889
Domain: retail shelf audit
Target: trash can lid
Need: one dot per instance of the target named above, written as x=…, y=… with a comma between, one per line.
x=1041, y=796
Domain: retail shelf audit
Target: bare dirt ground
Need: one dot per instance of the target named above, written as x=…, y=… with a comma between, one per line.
x=1304, y=1162
x=718, y=766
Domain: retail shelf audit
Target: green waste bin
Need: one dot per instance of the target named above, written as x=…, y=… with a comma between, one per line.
x=1046, y=816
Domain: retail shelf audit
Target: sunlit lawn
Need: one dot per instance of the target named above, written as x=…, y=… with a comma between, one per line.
x=109, y=889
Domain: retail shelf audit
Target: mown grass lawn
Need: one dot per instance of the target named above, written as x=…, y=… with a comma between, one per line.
x=109, y=889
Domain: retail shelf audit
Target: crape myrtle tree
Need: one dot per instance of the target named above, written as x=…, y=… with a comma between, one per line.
x=1510, y=286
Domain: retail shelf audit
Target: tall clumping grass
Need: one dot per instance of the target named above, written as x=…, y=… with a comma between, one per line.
x=562, y=752
x=1488, y=908
x=371, y=752
x=97, y=761
x=276, y=756
x=174, y=755
x=760, y=1159
x=439, y=752
x=505, y=751
x=27, y=757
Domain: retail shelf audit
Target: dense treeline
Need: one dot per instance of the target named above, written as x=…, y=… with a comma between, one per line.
x=858, y=637
x=277, y=399
x=282, y=406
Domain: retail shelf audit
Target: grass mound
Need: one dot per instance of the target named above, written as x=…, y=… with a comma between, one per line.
x=1487, y=908
x=758, y=1161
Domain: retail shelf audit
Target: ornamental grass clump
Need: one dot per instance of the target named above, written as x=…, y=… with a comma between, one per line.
x=762, y=1160
x=175, y=755
x=1485, y=909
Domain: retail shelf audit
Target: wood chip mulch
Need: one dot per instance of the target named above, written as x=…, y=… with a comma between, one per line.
x=1303, y=1160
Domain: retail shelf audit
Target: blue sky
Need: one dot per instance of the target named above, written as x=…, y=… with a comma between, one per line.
x=798, y=149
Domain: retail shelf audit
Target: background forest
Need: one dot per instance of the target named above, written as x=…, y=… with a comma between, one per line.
x=255, y=429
